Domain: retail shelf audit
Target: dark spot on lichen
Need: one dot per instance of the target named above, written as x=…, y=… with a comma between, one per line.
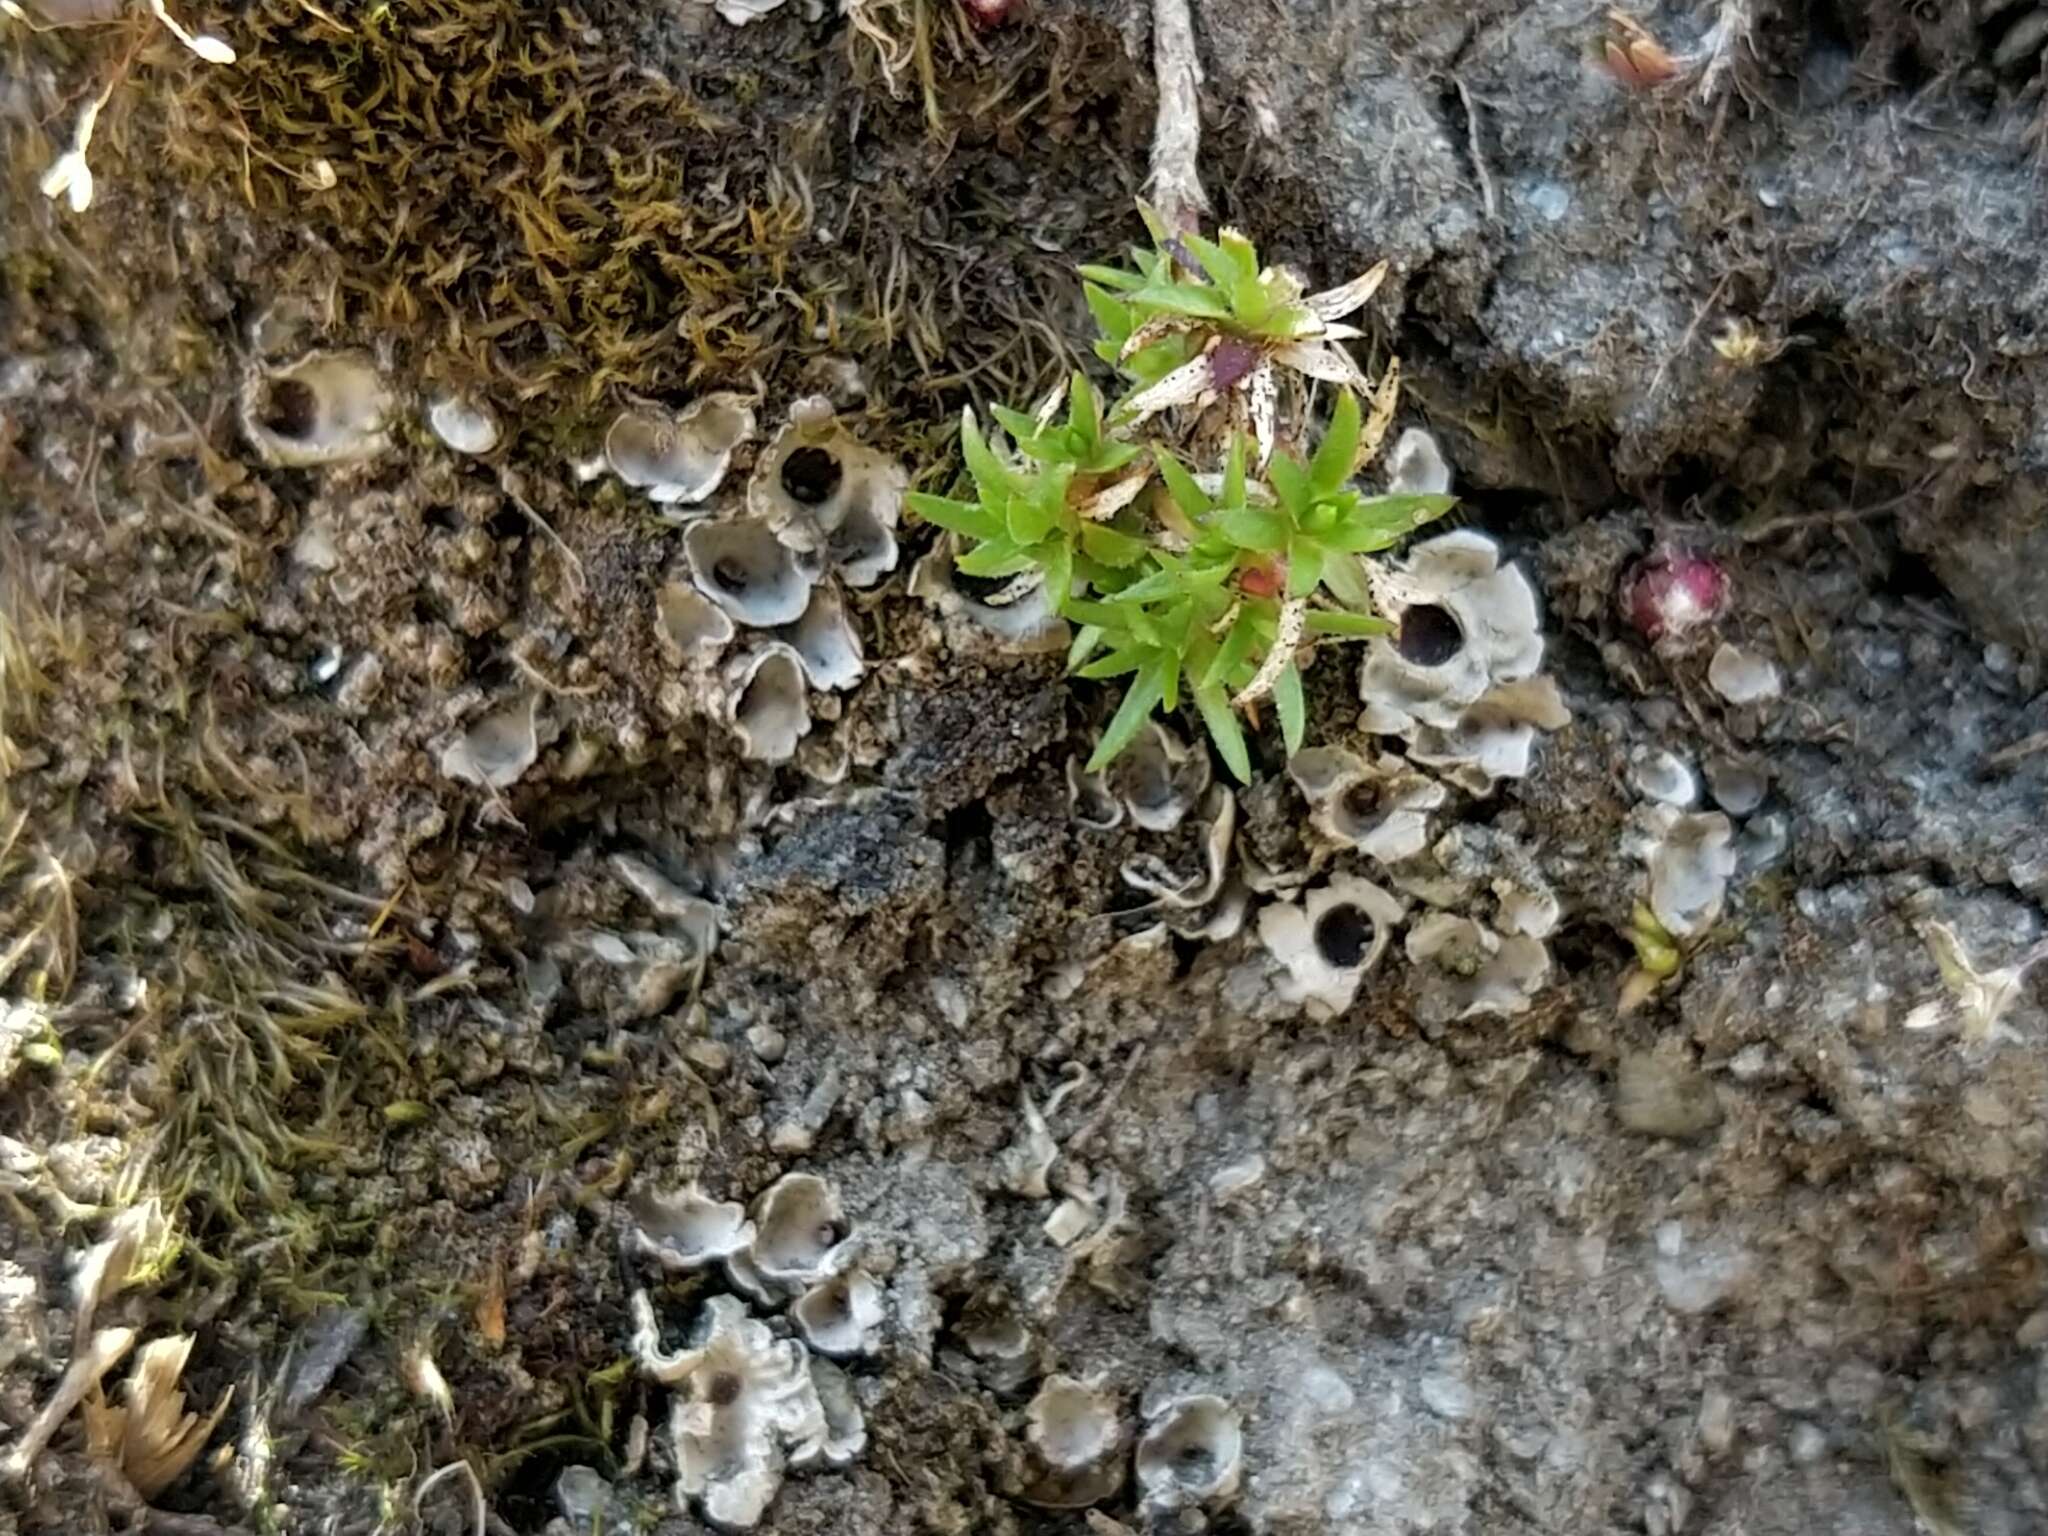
x=1342, y=934
x=1429, y=635
x=811, y=475
x=290, y=410
x=724, y=1390
x=1362, y=799
x=730, y=574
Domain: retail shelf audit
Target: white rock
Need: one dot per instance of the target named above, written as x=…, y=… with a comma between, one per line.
x=1743, y=677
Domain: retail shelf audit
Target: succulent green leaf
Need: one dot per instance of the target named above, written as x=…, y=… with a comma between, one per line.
x=1255, y=528
x=1148, y=365
x=1344, y=575
x=1324, y=621
x=1146, y=689
x=1338, y=450
x=1016, y=423
x=1121, y=660
x=1243, y=254
x=1233, y=472
x=963, y=517
x=1182, y=299
x=1233, y=653
x=1293, y=708
x=1305, y=561
x=1379, y=522
x=1224, y=731
x=1029, y=521
x=996, y=558
x=1112, y=315
x=992, y=477
x=1096, y=614
x=1116, y=550
x=1086, y=639
x=1057, y=557
x=1112, y=456
x=1157, y=587
x=1113, y=277
x=1290, y=483
x=1084, y=413
x=1222, y=269
x=1180, y=485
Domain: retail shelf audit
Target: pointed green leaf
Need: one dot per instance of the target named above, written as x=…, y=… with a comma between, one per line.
x=1304, y=567
x=1052, y=448
x=1118, y=550
x=1016, y=423
x=1112, y=316
x=963, y=517
x=1338, y=450
x=1084, y=412
x=1224, y=731
x=1243, y=254
x=995, y=559
x=1325, y=621
x=1180, y=485
x=1233, y=473
x=1255, y=528
x=1155, y=588
x=1028, y=520
x=1344, y=575
x=1145, y=692
x=1112, y=277
x=1232, y=654
x=1098, y=615
x=1381, y=521
x=1086, y=639
x=1148, y=365
x=1125, y=658
x=1222, y=269
x=991, y=476
x=1112, y=456
x=1291, y=484
x=1057, y=556
x=1155, y=226
x=1182, y=299
x=1293, y=708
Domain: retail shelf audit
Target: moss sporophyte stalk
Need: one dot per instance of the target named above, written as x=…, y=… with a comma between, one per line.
x=1202, y=549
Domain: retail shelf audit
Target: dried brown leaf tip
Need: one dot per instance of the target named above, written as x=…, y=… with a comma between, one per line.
x=1633, y=55
x=149, y=1437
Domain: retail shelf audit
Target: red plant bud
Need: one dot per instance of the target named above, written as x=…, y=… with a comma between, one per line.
x=986, y=14
x=1673, y=593
x=1230, y=361
x=1262, y=580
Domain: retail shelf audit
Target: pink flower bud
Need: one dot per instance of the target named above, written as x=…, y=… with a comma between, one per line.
x=1674, y=593
x=986, y=14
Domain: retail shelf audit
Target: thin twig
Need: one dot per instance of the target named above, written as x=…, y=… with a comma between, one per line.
x=479, y=1512
x=1486, y=193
